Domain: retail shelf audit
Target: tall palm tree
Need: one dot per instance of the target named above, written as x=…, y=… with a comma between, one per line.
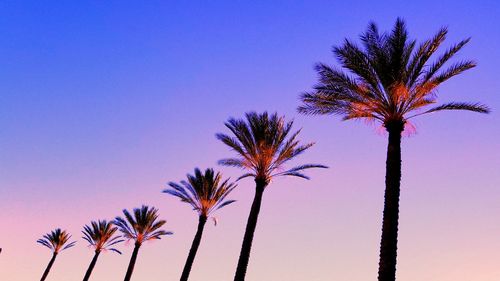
x=100, y=236
x=57, y=241
x=141, y=226
x=389, y=80
x=205, y=193
x=263, y=144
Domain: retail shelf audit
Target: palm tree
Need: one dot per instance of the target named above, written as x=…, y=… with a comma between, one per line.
x=56, y=241
x=100, y=237
x=264, y=145
x=205, y=193
x=142, y=226
x=389, y=80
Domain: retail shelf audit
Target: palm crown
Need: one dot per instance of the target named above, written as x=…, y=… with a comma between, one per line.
x=57, y=240
x=264, y=144
x=142, y=226
x=99, y=235
x=204, y=192
x=390, y=80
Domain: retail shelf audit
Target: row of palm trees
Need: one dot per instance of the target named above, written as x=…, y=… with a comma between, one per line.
x=141, y=226
x=263, y=144
x=388, y=80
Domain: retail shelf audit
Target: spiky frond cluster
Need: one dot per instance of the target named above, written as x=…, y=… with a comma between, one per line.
x=204, y=192
x=57, y=240
x=143, y=225
x=264, y=145
x=388, y=79
x=99, y=235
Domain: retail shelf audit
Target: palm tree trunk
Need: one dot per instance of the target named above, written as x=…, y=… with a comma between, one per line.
x=91, y=266
x=132, y=262
x=194, y=248
x=246, y=247
x=49, y=266
x=389, y=241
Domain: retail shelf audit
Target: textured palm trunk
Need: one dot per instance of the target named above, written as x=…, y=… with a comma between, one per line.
x=49, y=266
x=194, y=248
x=91, y=266
x=246, y=247
x=389, y=241
x=132, y=262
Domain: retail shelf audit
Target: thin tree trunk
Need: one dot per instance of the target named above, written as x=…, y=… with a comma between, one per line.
x=246, y=247
x=91, y=266
x=194, y=248
x=132, y=262
x=49, y=266
x=389, y=241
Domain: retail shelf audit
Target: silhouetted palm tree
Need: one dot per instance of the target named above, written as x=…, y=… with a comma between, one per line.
x=205, y=193
x=264, y=145
x=100, y=237
x=56, y=241
x=142, y=226
x=389, y=80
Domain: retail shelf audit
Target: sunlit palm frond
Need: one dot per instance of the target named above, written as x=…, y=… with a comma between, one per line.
x=57, y=240
x=205, y=192
x=266, y=145
x=142, y=225
x=389, y=80
x=100, y=235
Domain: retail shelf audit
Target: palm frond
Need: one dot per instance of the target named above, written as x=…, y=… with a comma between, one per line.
x=57, y=240
x=142, y=226
x=475, y=107
x=388, y=80
x=101, y=235
x=434, y=68
x=266, y=143
x=205, y=192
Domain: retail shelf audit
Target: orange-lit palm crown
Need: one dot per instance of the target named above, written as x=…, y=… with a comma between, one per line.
x=264, y=144
x=57, y=240
x=204, y=192
x=142, y=226
x=389, y=79
x=99, y=235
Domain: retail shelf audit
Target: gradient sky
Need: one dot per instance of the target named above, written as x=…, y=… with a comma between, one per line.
x=103, y=102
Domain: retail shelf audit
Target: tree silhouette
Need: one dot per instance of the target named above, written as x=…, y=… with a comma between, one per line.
x=56, y=241
x=141, y=226
x=100, y=236
x=263, y=144
x=205, y=193
x=388, y=80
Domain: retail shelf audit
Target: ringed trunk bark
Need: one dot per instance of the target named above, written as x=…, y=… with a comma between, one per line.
x=132, y=262
x=246, y=247
x=49, y=266
x=389, y=241
x=194, y=248
x=91, y=266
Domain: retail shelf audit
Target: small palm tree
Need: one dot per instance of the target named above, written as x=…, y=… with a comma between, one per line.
x=100, y=237
x=142, y=226
x=391, y=81
x=264, y=145
x=56, y=241
x=205, y=193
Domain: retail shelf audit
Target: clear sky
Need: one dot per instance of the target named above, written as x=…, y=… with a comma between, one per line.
x=103, y=102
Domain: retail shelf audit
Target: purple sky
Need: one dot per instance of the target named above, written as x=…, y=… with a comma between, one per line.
x=101, y=104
